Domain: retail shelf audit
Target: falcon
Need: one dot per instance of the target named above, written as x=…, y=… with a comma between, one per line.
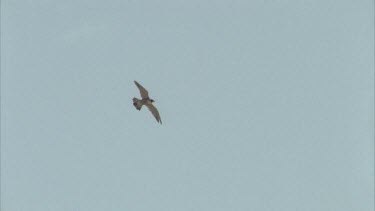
x=147, y=101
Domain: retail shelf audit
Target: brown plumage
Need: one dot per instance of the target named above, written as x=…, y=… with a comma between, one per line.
x=146, y=101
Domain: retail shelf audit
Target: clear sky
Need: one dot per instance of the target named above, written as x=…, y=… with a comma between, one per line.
x=266, y=105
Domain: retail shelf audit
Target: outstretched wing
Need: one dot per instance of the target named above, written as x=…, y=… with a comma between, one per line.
x=142, y=90
x=154, y=112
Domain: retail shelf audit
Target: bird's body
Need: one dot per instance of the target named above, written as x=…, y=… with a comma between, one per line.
x=138, y=103
x=145, y=101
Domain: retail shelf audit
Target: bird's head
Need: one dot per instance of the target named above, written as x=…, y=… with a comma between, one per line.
x=152, y=100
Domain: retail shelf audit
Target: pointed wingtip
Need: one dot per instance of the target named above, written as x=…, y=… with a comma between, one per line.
x=137, y=84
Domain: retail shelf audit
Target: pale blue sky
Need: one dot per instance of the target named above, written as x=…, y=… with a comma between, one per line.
x=266, y=105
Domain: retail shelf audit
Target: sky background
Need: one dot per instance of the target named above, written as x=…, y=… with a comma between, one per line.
x=266, y=105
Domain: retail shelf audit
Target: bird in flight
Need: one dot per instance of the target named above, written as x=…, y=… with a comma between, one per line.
x=147, y=101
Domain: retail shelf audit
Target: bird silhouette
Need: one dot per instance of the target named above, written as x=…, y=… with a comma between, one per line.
x=147, y=101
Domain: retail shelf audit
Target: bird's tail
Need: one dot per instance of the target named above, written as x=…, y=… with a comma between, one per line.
x=137, y=103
